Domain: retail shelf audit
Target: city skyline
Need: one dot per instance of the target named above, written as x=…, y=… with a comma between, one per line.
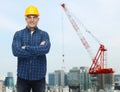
x=101, y=17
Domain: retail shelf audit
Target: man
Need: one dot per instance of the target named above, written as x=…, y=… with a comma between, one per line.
x=30, y=45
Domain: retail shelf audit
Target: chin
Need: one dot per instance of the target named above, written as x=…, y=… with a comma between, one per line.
x=32, y=26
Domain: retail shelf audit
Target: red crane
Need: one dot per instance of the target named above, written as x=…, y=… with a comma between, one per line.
x=97, y=66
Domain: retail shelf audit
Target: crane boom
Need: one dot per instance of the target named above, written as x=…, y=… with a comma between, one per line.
x=97, y=66
x=77, y=29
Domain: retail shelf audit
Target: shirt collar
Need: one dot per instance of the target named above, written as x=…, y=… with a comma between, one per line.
x=36, y=28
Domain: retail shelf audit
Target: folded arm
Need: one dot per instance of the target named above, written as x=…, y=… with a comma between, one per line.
x=42, y=48
x=17, y=47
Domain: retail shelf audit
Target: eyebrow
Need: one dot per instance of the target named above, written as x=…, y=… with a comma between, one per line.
x=29, y=16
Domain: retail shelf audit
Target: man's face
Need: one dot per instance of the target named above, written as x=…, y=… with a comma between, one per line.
x=32, y=21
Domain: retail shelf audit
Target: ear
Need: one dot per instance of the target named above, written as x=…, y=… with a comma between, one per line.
x=25, y=18
x=38, y=18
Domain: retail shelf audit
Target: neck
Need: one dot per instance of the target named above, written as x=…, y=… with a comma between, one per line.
x=32, y=28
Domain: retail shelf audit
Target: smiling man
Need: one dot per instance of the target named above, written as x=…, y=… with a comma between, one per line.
x=30, y=45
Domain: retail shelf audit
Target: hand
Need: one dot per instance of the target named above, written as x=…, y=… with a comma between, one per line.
x=23, y=47
x=42, y=43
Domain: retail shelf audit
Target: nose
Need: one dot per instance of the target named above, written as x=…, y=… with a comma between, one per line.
x=32, y=18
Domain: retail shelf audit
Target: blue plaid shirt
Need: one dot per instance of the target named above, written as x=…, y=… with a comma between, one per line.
x=32, y=59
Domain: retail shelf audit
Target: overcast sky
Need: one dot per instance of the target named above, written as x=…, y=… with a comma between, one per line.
x=100, y=17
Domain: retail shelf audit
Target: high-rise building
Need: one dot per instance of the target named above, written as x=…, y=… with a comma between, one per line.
x=59, y=76
x=79, y=79
x=51, y=79
x=9, y=81
x=85, y=82
x=117, y=81
x=74, y=77
x=66, y=79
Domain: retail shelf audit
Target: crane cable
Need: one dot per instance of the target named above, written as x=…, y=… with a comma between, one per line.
x=99, y=42
x=85, y=28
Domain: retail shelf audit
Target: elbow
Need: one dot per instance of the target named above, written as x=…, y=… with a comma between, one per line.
x=14, y=52
x=48, y=49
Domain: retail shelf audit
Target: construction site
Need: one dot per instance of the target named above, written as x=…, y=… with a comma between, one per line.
x=84, y=42
x=101, y=77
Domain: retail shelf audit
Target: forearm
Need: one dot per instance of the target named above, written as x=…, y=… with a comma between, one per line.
x=42, y=49
x=17, y=46
x=20, y=52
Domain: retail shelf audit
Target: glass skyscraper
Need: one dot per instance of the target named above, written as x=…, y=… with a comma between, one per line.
x=9, y=81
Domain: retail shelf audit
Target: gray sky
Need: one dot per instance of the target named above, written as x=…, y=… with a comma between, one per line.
x=101, y=17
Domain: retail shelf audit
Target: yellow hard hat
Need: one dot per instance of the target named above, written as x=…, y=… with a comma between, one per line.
x=31, y=10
